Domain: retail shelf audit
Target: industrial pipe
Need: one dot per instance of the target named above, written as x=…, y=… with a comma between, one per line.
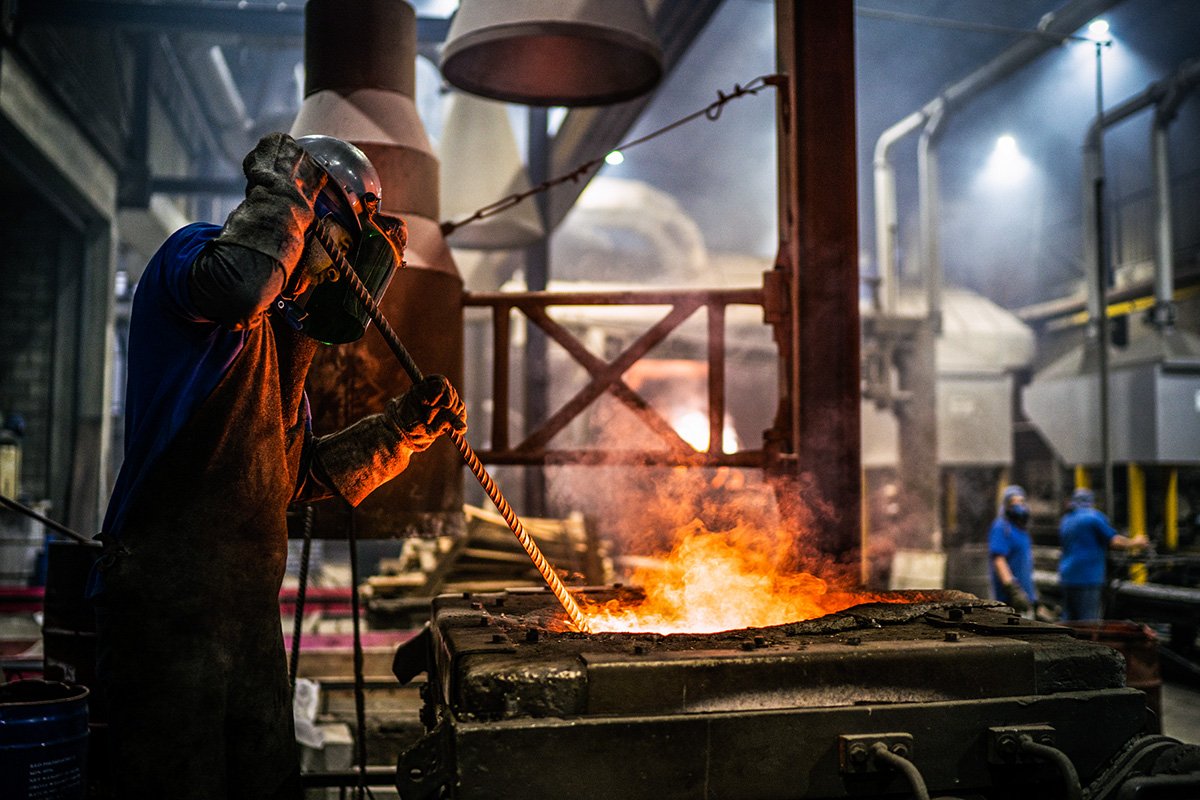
x=930, y=119
x=1054, y=29
x=1166, y=95
x=927, y=190
x=886, y=233
x=1164, y=264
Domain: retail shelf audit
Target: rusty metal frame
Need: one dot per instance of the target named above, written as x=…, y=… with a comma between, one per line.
x=606, y=376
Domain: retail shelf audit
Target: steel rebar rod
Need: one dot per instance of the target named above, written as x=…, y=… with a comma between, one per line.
x=574, y=614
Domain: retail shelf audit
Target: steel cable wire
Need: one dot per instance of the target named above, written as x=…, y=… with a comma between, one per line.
x=712, y=112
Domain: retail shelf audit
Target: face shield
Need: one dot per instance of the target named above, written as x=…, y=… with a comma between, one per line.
x=333, y=314
x=329, y=312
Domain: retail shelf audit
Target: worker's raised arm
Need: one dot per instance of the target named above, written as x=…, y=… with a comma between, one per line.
x=246, y=267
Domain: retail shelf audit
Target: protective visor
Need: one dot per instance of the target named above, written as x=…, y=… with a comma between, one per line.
x=334, y=314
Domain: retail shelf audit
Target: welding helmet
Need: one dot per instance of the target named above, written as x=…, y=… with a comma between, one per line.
x=330, y=313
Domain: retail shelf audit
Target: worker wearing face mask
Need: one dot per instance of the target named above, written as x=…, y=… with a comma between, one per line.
x=1011, y=552
x=224, y=325
x=1086, y=534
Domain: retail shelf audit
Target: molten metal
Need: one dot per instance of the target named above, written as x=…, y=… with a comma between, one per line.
x=719, y=581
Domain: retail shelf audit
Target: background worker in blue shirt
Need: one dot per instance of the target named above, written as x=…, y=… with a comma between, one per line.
x=1086, y=535
x=1011, y=552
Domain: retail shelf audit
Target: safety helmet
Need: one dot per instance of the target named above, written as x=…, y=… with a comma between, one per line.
x=352, y=177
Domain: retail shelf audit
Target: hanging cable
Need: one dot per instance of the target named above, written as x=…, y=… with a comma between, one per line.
x=712, y=112
x=360, y=712
x=301, y=593
x=962, y=25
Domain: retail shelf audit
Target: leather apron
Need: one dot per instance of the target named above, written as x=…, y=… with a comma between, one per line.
x=190, y=643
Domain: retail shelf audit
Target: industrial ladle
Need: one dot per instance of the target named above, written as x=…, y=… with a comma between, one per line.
x=473, y=463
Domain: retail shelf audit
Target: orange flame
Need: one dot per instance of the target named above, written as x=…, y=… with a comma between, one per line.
x=719, y=581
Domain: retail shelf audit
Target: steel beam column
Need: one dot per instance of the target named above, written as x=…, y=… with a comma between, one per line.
x=819, y=411
x=537, y=278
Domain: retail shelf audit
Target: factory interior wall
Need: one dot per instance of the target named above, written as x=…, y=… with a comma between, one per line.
x=37, y=288
x=56, y=300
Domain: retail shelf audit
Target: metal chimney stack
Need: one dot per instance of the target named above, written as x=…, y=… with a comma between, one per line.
x=360, y=68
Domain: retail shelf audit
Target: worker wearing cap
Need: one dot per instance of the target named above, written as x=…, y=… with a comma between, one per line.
x=1085, y=535
x=218, y=444
x=1011, y=552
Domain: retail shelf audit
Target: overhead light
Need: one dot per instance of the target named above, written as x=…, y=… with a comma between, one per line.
x=1099, y=30
x=614, y=158
x=1006, y=165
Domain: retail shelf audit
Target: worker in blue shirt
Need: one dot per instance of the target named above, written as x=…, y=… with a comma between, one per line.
x=225, y=322
x=1011, y=552
x=1086, y=535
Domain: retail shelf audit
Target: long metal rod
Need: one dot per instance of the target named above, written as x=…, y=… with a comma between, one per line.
x=473, y=463
x=21, y=508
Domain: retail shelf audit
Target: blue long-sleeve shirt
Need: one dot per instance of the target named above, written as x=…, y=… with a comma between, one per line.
x=1085, y=534
x=1013, y=543
x=176, y=358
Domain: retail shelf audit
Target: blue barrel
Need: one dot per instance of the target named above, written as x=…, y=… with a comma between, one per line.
x=43, y=740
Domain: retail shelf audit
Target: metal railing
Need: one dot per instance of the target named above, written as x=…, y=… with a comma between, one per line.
x=606, y=377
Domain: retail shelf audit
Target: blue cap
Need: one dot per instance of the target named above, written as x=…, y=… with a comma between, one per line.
x=1010, y=492
x=1083, y=497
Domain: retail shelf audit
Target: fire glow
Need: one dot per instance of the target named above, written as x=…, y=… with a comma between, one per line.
x=715, y=581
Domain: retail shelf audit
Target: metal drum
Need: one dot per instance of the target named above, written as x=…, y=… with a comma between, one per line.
x=43, y=740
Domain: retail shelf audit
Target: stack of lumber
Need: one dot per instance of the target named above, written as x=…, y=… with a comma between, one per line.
x=487, y=558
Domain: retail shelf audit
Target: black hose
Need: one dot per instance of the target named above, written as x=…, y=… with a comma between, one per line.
x=901, y=764
x=301, y=594
x=1060, y=760
x=360, y=712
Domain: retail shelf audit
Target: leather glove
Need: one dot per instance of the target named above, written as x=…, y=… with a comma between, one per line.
x=426, y=411
x=1015, y=596
x=356, y=460
x=282, y=181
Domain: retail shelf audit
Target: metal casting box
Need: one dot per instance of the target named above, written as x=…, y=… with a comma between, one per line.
x=516, y=706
